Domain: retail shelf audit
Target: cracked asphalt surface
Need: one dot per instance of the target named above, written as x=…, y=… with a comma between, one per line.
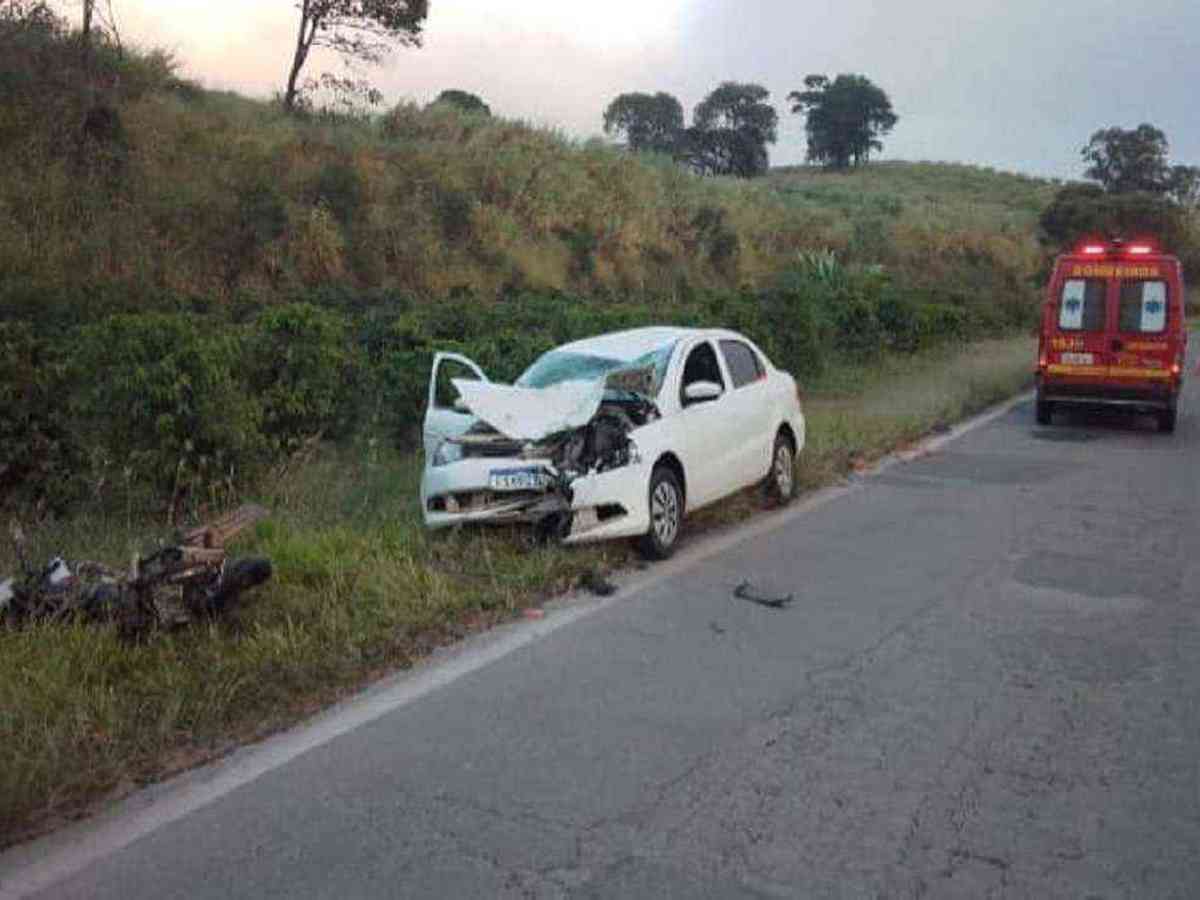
x=986, y=686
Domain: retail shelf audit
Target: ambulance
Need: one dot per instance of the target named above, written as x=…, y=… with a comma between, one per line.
x=1113, y=332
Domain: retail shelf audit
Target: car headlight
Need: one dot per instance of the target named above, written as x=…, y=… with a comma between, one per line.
x=447, y=452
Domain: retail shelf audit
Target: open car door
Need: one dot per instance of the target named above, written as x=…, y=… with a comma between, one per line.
x=443, y=419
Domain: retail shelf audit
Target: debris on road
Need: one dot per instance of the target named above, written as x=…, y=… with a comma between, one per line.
x=598, y=584
x=745, y=592
x=180, y=583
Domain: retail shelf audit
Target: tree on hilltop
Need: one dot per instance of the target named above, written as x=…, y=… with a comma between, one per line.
x=739, y=107
x=1126, y=161
x=357, y=30
x=730, y=132
x=464, y=100
x=845, y=118
x=1130, y=161
x=649, y=122
x=1082, y=210
x=1183, y=186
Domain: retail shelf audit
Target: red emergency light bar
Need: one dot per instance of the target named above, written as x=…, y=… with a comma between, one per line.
x=1116, y=248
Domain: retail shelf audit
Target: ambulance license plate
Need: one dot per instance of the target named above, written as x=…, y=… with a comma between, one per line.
x=531, y=479
x=1077, y=359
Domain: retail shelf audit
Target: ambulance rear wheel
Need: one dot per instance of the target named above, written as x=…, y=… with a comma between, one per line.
x=1166, y=420
x=1043, y=410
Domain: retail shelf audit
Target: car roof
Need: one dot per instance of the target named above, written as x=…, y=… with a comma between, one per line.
x=637, y=342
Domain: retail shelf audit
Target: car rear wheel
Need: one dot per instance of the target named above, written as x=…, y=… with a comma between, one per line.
x=781, y=480
x=666, y=514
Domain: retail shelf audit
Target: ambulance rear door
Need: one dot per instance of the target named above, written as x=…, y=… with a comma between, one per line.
x=1079, y=338
x=1146, y=340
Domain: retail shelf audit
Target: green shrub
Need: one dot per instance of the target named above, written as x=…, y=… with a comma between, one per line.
x=398, y=353
x=260, y=216
x=859, y=333
x=942, y=322
x=720, y=242
x=796, y=325
x=157, y=395
x=341, y=188
x=453, y=207
x=40, y=459
x=898, y=314
x=302, y=374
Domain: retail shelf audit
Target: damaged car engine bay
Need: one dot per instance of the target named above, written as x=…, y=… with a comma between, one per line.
x=601, y=445
x=557, y=455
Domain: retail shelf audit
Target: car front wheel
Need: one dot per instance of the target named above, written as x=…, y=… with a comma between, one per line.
x=781, y=480
x=666, y=514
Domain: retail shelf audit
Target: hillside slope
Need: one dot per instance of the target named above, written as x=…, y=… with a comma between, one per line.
x=130, y=176
x=235, y=281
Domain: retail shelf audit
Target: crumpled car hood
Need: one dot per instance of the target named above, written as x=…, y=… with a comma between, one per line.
x=530, y=414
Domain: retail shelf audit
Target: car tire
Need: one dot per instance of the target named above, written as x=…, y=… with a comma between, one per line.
x=781, y=480
x=666, y=514
x=1042, y=409
x=1166, y=420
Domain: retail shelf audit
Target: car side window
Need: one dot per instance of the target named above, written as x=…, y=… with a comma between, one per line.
x=701, y=365
x=743, y=363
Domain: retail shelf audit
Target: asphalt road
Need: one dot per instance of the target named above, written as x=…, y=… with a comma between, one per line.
x=987, y=684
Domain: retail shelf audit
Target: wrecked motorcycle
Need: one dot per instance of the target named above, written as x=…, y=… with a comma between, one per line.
x=189, y=580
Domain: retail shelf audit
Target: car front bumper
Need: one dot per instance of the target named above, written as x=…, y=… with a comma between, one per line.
x=603, y=506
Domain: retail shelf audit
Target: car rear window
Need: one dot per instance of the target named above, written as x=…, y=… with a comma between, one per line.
x=1143, y=307
x=1082, y=305
x=743, y=363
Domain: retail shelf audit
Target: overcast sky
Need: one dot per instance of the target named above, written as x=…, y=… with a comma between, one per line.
x=1015, y=84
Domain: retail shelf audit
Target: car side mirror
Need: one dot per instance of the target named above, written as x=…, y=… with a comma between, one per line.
x=702, y=391
x=460, y=405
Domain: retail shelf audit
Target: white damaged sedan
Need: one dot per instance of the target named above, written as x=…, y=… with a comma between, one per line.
x=610, y=437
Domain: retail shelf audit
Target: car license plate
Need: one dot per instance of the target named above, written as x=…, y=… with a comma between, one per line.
x=517, y=479
x=1077, y=359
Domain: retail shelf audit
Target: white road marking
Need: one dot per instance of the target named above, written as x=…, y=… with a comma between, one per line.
x=37, y=866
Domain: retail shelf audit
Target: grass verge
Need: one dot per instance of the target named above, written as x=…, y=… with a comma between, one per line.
x=361, y=590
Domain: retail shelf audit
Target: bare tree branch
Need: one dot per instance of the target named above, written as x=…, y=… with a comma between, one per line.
x=357, y=30
x=108, y=21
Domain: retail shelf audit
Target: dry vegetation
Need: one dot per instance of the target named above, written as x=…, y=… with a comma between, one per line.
x=211, y=195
